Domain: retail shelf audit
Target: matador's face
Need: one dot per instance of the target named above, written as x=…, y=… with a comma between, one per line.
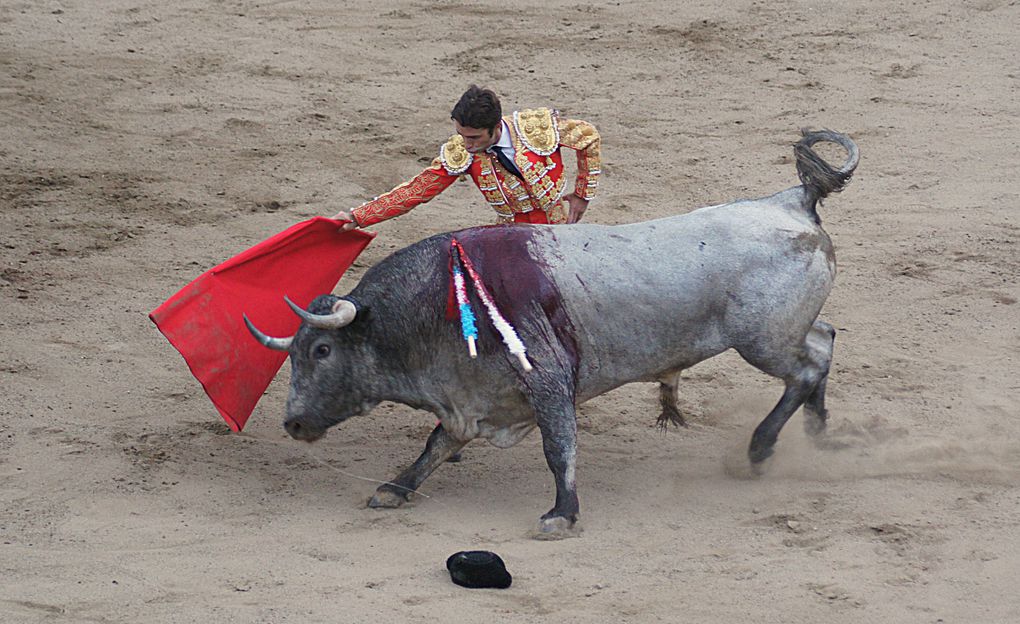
x=477, y=139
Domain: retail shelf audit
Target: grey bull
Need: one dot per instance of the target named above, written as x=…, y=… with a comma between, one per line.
x=597, y=307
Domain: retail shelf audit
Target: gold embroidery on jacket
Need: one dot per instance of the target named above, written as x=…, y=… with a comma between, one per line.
x=489, y=186
x=539, y=191
x=557, y=213
x=584, y=138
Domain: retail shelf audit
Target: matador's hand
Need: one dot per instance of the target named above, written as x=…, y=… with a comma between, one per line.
x=343, y=216
x=577, y=207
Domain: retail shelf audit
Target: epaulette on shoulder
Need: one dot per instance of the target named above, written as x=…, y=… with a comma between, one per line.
x=538, y=130
x=454, y=156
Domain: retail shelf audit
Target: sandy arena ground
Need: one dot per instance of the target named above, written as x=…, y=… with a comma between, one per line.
x=143, y=142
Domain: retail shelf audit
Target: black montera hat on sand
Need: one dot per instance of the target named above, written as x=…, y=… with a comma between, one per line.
x=478, y=569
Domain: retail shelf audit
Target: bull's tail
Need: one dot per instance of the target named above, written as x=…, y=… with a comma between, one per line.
x=819, y=177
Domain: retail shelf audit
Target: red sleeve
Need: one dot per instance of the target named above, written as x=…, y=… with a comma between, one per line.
x=418, y=190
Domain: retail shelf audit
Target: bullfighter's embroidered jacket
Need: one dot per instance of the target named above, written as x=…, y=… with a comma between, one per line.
x=537, y=136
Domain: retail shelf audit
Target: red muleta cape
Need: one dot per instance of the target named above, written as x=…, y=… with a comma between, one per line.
x=204, y=320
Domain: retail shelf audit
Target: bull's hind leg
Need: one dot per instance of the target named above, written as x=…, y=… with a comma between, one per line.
x=804, y=370
x=820, y=339
x=439, y=447
x=669, y=399
x=765, y=435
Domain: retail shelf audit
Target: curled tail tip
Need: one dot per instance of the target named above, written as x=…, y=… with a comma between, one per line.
x=817, y=175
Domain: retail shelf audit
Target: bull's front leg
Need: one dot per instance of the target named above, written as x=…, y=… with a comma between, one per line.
x=439, y=447
x=558, y=424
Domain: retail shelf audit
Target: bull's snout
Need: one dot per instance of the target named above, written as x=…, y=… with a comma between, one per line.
x=301, y=431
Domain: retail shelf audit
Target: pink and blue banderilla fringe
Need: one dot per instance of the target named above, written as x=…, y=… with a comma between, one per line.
x=460, y=264
x=467, y=315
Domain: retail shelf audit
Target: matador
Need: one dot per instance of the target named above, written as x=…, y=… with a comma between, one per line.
x=515, y=161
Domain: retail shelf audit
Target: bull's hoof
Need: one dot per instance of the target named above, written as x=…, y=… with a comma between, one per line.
x=758, y=457
x=814, y=424
x=387, y=498
x=759, y=469
x=556, y=528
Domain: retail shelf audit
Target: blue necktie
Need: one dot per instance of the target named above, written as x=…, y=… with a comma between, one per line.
x=505, y=161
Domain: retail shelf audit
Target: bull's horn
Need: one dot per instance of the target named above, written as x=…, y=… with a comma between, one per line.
x=343, y=313
x=276, y=344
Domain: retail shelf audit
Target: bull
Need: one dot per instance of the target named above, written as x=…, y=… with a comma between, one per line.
x=597, y=307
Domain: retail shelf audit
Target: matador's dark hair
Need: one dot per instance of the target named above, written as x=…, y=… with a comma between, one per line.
x=478, y=108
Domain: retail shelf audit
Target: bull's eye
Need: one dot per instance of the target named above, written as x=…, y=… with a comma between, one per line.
x=321, y=351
